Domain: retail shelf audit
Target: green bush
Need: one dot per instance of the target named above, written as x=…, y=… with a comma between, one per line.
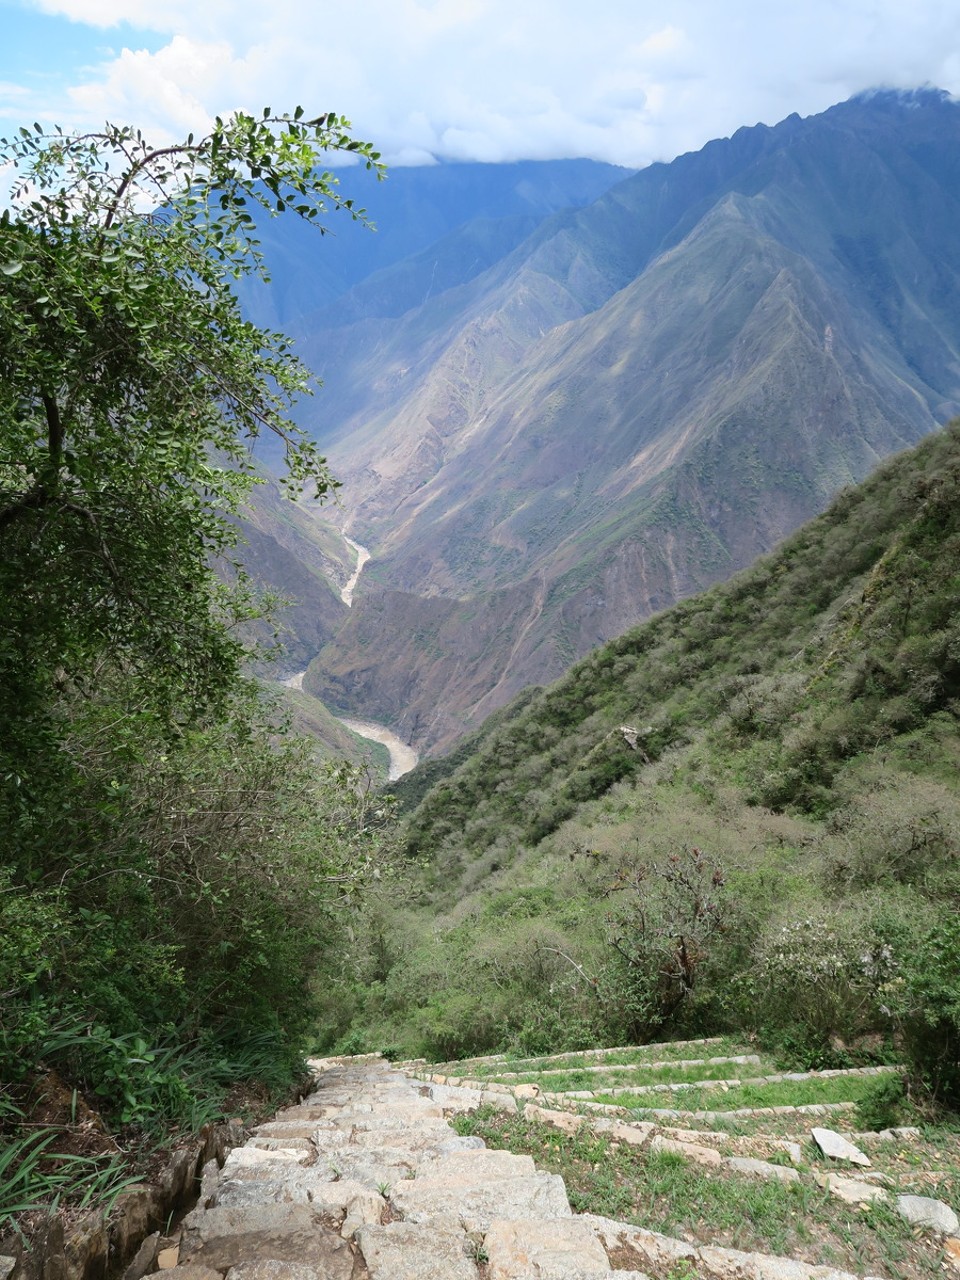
x=818, y=980
x=927, y=997
x=883, y=1105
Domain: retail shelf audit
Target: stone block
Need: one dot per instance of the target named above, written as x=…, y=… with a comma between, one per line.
x=190, y=1271
x=407, y=1251
x=144, y=1260
x=222, y=1238
x=541, y=1196
x=363, y=1208
x=564, y=1121
x=689, y=1150
x=273, y=1269
x=519, y=1250
x=761, y=1169
x=246, y=1157
x=851, y=1190
x=475, y=1167
x=838, y=1148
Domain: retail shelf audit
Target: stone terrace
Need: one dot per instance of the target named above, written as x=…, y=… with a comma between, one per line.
x=366, y=1180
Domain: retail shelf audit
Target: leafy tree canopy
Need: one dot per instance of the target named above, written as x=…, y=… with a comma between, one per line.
x=130, y=386
x=174, y=874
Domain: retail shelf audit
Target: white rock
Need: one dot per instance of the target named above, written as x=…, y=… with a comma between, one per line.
x=837, y=1148
x=761, y=1168
x=924, y=1211
x=852, y=1190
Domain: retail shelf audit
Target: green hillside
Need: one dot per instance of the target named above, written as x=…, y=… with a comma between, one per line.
x=743, y=813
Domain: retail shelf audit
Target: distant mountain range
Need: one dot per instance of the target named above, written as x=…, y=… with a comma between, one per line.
x=554, y=421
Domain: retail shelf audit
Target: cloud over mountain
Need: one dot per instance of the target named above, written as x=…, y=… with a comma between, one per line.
x=496, y=80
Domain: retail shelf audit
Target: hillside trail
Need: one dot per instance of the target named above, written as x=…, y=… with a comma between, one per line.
x=367, y=1180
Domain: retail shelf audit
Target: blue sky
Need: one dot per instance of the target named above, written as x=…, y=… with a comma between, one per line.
x=623, y=80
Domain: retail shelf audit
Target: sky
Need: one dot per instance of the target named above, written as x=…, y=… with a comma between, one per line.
x=626, y=81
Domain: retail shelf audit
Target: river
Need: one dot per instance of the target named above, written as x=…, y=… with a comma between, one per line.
x=363, y=555
x=403, y=758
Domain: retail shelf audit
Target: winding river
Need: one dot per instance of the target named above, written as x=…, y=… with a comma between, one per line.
x=402, y=756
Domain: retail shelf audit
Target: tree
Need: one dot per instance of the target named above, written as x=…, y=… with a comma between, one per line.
x=165, y=862
x=664, y=933
x=130, y=385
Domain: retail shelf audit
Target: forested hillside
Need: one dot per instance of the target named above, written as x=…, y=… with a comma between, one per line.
x=743, y=813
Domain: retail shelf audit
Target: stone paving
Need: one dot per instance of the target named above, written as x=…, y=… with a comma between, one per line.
x=366, y=1180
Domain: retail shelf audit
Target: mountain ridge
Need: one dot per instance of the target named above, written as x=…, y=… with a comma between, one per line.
x=630, y=417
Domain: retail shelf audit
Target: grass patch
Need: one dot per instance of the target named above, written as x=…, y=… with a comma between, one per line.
x=785, y=1093
x=640, y=1055
x=639, y=1075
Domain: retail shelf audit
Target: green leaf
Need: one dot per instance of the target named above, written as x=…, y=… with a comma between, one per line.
x=11, y=268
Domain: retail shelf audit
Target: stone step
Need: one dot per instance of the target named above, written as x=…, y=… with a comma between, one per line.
x=473, y=1206
x=223, y=1238
x=524, y=1250
x=410, y=1251
x=365, y=1180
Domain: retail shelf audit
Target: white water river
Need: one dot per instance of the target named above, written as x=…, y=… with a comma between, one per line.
x=402, y=756
x=363, y=555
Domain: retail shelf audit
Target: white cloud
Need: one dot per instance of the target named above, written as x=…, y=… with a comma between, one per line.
x=505, y=79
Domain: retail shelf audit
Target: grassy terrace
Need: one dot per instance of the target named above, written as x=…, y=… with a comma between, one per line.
x=786, y=1093
x=635, y=1077
x=793, y=1125
x=680, y=1050
x=663, y=1192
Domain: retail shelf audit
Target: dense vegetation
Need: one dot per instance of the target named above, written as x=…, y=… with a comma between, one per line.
x=743, y=813
x=174, y=870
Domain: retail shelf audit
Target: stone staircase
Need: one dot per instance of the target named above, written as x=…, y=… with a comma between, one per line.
x=367, y=1180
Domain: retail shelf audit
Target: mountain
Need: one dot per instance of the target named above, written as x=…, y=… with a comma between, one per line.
x=741, y=813
x=488, y=207
x=633, y=401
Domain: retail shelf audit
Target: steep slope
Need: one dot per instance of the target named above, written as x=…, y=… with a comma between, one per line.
x=495, y=206
x=293, y=552
x=844, y=638
x=638, y=399
x=742, y=813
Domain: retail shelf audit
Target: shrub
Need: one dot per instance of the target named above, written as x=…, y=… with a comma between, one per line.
x=817, y=980
x=882, y=1106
